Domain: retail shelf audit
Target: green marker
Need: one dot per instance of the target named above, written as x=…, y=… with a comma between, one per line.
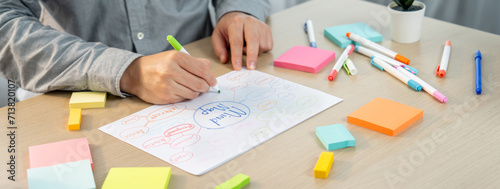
x=179, y=47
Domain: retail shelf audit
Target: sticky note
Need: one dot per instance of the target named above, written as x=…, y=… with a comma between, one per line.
x=60, y=152
x=137, y=177
x=87, y=100
x=385, y=116
x=337, y=33
x=307, y=59
x=236, y=182
x=77, y=174
x=75, y=117
x=324, y=164
x=335, y=136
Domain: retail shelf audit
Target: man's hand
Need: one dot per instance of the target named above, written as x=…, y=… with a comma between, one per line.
x=235, y=29
x=167, y=77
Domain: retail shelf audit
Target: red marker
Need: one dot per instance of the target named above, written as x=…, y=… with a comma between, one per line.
x=336, y=68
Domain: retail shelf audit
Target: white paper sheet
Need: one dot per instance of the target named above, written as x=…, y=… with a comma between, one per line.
x=201, y=134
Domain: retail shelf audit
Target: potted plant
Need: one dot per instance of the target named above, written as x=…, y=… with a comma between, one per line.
x=406, y=23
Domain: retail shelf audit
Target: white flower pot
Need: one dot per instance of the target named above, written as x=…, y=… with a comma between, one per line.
x=406, y=26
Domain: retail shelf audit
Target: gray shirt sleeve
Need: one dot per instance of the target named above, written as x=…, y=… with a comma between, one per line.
x=41, y=59
x=258, y=8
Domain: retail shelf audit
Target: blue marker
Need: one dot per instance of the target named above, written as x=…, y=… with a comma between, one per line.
x=478, y=72
x=309, y=29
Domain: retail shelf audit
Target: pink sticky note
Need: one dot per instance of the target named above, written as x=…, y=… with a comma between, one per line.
x=307, y=59
x=60, y=152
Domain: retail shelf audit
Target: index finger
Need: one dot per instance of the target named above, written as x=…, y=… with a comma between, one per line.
x=236, y=44
x=252, y=39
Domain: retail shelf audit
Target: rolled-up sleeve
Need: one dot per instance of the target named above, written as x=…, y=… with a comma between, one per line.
x=41, y=59
x=258, y=8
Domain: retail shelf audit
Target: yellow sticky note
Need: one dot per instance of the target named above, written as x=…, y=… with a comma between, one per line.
x=87, y=100
x=323, y=165
x=137, y=177
x=75, y=117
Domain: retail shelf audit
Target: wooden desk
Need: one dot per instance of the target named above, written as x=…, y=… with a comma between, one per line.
x=455, y=145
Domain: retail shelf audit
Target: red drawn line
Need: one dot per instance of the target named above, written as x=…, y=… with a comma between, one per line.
x=199, y=130
x=147, y=124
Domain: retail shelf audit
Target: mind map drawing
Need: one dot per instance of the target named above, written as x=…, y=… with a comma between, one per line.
x=200, y=134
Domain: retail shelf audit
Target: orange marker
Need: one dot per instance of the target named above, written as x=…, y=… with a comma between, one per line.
x=365, y=42
x=441, y=70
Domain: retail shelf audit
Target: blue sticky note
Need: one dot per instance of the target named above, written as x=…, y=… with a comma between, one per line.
x=337, y=33
x=76, y=174
x=335, y=136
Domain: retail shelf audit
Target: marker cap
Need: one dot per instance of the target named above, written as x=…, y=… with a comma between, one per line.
x=440, y=73
x=332, y=75
x=375, y=64
x=402, y=59
x=440, y=97
x=414, y=85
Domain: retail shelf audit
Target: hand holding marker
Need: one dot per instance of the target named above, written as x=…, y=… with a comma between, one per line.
x=179, y=47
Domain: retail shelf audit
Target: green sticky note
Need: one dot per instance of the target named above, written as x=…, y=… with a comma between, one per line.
x=137, y=177
x=236, y=182
x=76, y=175
x=337, y=33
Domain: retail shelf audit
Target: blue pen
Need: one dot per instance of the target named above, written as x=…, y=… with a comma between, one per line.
x=478, y=72
x=309, y=29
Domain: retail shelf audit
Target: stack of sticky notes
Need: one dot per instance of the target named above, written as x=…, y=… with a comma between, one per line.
x=323, y=165
x=80, y=100
x=385, y=116
x=137, y=177
x=337, y=33
x=64, y=164
x=335, y=136
x=307, y=59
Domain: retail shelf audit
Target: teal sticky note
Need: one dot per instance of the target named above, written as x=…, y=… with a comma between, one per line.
x=76, y=174
x=337, y=33
x=335, y=136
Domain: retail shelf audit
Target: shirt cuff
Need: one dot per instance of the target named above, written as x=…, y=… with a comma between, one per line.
x=108, y=69
x=259, y=9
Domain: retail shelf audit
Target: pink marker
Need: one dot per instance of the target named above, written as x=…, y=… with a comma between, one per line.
x=348, y=50
x=427, y=88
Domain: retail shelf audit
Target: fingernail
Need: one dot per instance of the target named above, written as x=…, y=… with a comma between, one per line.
x=222, y=57
x=251, y=65
x=237, y=66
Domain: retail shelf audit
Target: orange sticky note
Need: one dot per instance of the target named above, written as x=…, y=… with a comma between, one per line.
x=60, y=152
x=385, y=116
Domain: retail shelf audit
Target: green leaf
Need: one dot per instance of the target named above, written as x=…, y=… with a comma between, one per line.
x=405, y=4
